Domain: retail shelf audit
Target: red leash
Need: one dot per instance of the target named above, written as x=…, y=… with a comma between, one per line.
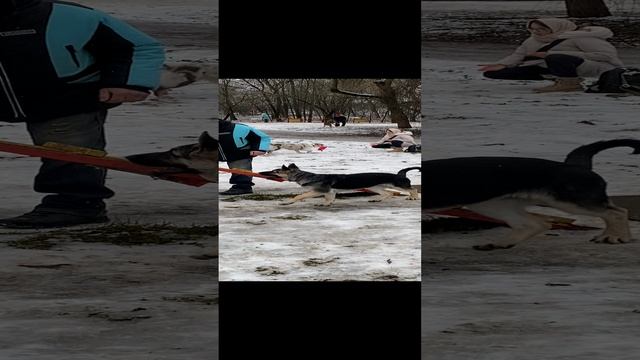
x=250, y=173
x=99, y=158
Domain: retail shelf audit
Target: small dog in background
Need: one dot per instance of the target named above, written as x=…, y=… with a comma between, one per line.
x=201, y=158
x=326, y=184
x=297, y=147
x=181, y=74
x=334, y=121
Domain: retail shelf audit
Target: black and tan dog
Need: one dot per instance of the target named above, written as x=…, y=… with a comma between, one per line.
x=503, y=187
x=201, y=158
x=327, y=184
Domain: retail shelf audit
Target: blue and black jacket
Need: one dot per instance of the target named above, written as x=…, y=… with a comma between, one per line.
x=55, y=56
x=238, y=140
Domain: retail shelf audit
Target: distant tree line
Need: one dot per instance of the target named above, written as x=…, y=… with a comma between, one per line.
x=396, y=100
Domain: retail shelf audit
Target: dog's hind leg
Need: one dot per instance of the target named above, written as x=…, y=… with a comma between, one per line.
x=388, y=191
x=382, y=195
x=513, y=212
x=301, y=197
x=616, y=220
x=617, y=229
x=413, y=194
x=383, y=192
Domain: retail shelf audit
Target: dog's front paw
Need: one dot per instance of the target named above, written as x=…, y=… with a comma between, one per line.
x=610, y=239
x=413, y=198
x=489, y=247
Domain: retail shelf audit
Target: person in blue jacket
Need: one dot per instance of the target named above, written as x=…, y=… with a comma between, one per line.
x=62, y=65
x=239, y=144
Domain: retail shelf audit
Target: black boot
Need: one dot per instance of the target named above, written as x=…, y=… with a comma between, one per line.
x=45, y=216
x=237, y=190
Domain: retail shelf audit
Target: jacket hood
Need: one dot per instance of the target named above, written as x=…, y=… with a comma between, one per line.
x=557, y=26
x=599, y=32
x=224, y=125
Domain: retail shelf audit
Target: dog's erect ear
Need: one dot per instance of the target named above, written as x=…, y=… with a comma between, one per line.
x=292, y=166
x=207, y=142
x=284, y=167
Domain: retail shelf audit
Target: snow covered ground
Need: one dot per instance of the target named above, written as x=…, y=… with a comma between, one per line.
x=556, y=296
x=89, y=300
x=353, y=239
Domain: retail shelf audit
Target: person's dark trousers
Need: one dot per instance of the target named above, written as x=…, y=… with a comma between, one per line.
x=558, y=65
x=72, y=186
x=561, y=65
x=241, y=181
x=396, y=143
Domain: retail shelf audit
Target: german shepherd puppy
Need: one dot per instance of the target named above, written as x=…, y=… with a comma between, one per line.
x=503, y=187
x=201, y=158
x=327, y=184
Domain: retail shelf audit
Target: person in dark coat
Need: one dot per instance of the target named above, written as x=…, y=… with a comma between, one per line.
x=239, y=144
x=62, y=66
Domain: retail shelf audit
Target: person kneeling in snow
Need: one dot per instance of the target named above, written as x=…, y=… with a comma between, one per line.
x=239, y=144
x=557, y=50
x=395, y=139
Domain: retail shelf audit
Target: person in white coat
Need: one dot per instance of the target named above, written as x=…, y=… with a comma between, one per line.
x=395, y=139
x=558, y=50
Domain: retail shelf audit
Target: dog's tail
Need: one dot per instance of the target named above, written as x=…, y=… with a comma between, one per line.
x=583, y=156
x=404, y=172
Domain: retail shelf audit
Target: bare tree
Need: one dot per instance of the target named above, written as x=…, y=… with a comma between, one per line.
x=310, y=99
x=587, y=8
x=387, y=94
x=230, y=101
x=271, y=93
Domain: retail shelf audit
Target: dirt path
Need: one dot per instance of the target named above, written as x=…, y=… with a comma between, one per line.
x=352, y=132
